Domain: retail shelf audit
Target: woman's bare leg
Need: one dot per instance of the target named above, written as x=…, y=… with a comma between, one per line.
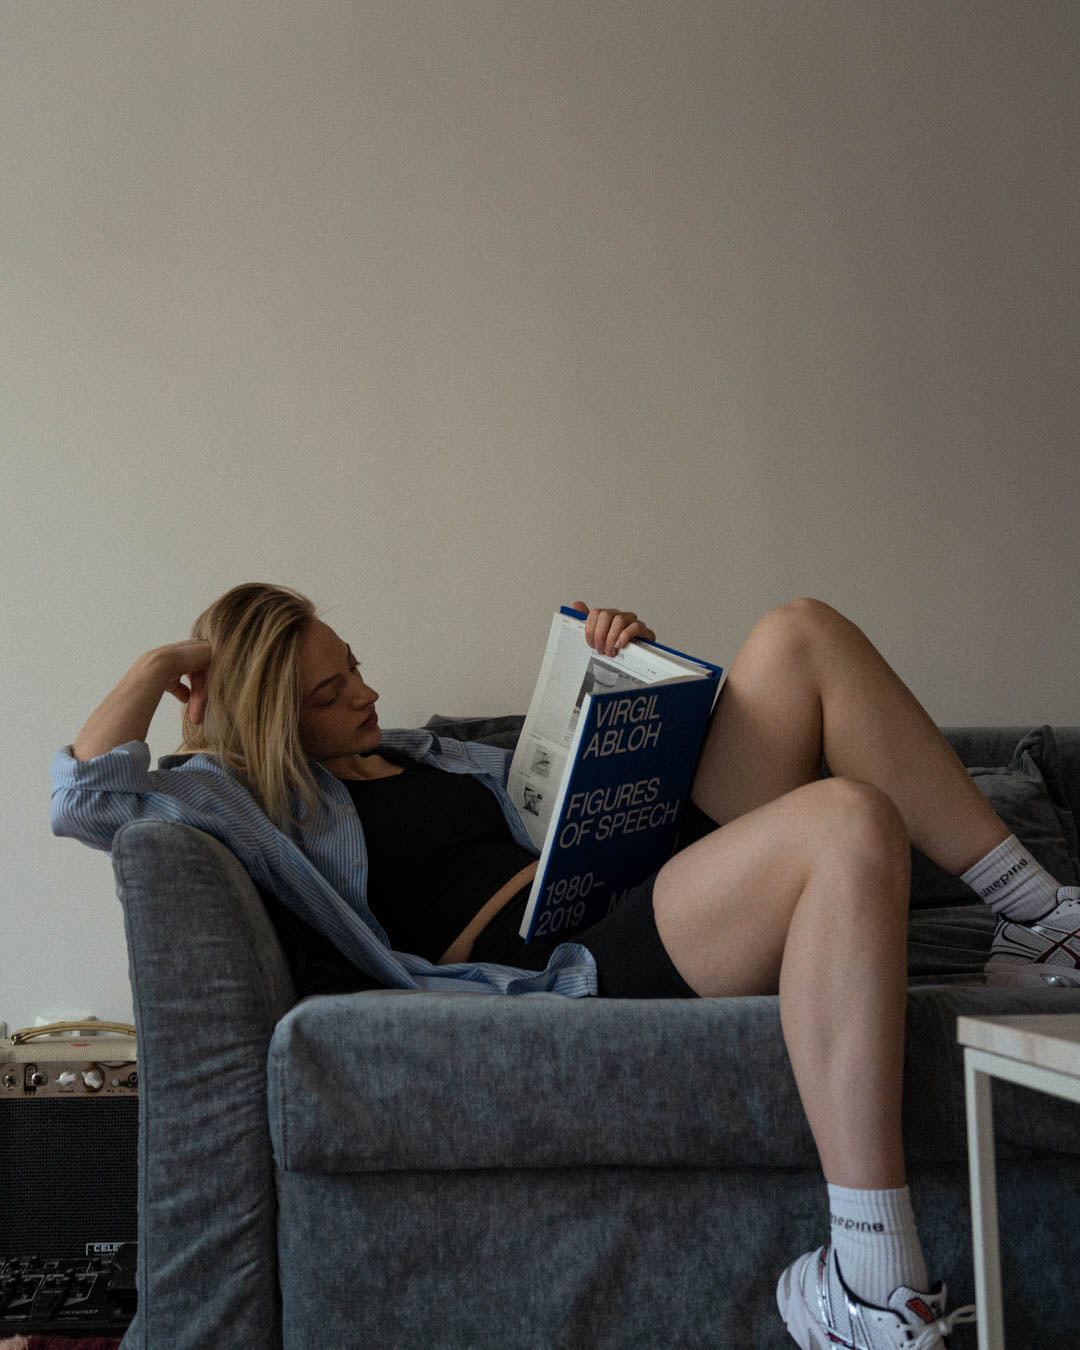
x=808, y=683
x=808, y=896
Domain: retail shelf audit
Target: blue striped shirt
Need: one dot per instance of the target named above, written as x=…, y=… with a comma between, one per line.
x=321, y=874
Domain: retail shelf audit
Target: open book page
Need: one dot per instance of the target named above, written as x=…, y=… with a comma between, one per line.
x=571, y=670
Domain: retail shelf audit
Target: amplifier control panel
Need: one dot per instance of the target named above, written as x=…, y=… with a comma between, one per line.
x=76, y=1078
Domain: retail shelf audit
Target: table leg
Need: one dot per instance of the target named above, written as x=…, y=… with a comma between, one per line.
x=984, y=1212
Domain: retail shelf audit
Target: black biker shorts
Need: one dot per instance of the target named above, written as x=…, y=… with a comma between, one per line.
x=631, y=961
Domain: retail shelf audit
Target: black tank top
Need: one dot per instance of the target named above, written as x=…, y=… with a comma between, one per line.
x=438, y=849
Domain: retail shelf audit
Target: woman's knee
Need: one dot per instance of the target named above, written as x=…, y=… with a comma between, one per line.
x=860, y=824
x=794, y=629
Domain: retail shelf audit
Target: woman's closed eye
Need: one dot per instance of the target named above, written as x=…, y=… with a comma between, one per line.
x=329, y=696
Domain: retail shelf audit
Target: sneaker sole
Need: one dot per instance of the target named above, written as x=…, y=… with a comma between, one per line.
x=792, y=1308
x=1032, y=976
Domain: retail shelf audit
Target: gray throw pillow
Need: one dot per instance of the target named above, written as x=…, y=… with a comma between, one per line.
x=1029, y=795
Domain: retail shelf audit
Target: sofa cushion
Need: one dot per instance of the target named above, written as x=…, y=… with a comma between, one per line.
x=501, y=731
x=395, y=1080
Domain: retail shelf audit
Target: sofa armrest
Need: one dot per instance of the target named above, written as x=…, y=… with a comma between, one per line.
x=209, y=982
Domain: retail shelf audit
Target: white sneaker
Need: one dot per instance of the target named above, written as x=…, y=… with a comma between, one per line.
x=822, y=1313
x=1045, y=951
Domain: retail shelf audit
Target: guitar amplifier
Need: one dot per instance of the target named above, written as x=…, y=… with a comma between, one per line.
x=69, y=1113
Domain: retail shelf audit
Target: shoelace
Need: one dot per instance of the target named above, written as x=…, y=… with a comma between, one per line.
x=928, y=1337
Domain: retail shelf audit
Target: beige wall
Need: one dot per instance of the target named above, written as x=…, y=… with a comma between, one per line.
x=449, y=311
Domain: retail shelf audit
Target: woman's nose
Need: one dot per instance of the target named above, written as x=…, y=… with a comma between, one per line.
x=362, y=693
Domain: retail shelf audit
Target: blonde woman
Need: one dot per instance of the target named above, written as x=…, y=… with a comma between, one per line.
x=405, y=851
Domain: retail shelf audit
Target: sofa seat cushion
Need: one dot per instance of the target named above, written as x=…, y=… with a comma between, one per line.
x=397, y=1080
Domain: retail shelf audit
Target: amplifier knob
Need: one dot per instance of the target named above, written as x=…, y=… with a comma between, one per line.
x=67, y=1078
x=10, y=1080
x=93, y=1078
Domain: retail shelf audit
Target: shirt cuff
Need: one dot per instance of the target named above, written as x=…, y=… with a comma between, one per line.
x=125, y=768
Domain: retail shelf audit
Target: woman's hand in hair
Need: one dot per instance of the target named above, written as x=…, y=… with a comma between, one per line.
x=188, y=659
x=607, y=631
x=126, y=713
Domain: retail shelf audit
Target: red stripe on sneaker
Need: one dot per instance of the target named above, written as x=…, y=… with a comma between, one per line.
x=920, y=1309
x=1059, y=946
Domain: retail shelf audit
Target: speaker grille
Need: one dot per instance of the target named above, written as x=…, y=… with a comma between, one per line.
x=67, y=1174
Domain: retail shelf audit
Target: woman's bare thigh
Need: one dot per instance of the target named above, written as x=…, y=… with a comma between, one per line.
x=724, y=906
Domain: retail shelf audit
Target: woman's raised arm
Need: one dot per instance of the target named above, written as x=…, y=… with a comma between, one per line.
x=125, y=714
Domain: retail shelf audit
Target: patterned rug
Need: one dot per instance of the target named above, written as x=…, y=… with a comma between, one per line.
x=60, y=1343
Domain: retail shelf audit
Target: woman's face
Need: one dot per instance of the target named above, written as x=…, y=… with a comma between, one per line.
x=337, y=709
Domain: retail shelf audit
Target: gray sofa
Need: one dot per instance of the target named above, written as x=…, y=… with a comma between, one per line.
x=349, y=1167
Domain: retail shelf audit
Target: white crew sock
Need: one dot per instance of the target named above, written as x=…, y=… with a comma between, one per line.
x=876, y=1243
x=1012, y=883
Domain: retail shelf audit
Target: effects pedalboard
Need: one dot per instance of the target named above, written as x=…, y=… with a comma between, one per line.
x=88, y=1295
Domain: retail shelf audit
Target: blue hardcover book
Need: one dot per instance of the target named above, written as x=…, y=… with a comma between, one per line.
x=602, y=769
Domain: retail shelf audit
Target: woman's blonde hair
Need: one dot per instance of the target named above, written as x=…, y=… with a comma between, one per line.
x=252, y=714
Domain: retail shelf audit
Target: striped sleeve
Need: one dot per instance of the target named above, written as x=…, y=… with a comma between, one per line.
x=92, y=798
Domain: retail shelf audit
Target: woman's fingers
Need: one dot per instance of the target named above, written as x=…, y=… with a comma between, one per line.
x=188, y=659
x=197, y=697
x=625, y=628
x=609, y=630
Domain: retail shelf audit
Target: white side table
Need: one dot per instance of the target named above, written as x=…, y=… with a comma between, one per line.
x=1037, y=1052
